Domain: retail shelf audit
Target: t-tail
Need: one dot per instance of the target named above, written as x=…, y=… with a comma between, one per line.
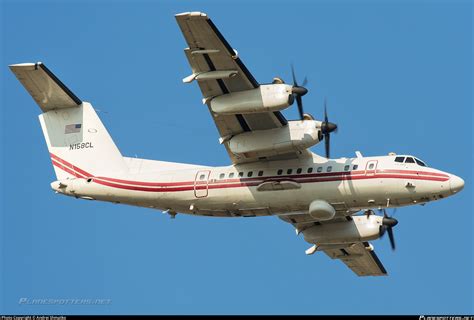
x=78, y=142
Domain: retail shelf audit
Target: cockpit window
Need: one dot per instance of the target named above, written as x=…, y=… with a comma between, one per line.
x=419, y=162
x=399, y=159
x=409, y=160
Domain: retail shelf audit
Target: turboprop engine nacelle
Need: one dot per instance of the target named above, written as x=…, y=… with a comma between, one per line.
x=267, y=97
x=296, y=136
x=359, y=229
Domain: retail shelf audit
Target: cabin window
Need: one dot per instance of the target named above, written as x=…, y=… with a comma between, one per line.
x=202, y=176
x=249, y=174
x=409, y=160
x=320, y=169
x=241, y=174
x=371, y=166
x=399, y=159
x=329, y=169
x=289, y=171
x=310, y=170
x=231, y=175
x=222, y=176
x=260, y=173
x=279, y=172
x=346, y=168
x=299, y=170
x=354, y=167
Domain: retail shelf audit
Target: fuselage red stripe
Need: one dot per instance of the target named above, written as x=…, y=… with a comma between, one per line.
x=150, y=184
x=413, y=172
x=245, y=182
x=71, y=166
x=64, y=168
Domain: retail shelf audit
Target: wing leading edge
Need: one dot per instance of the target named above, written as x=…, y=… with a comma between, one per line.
x=360, y=257
x=218, y=70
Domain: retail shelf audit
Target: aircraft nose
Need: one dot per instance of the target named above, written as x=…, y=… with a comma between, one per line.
x=456, y=183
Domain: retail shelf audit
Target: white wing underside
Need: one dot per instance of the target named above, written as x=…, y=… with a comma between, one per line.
x=359, y=256
x=211, y=56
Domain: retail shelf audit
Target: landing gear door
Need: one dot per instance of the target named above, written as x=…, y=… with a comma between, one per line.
x=201, y=183
x=371, y=168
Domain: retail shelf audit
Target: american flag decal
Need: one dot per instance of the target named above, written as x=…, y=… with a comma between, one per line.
x=73, y=128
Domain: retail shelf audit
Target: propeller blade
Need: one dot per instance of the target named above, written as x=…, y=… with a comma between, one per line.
x=382, y=230
x=387, y=225
x=390, y=236
x=327, y=142
x=368, y=213
x=298, y=92
x=305, y=82
x=325, y=111
x=294, y=77
x=326, y=129
x=299, y=102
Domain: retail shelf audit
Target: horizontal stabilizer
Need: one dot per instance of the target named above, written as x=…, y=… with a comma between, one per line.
x=45, y=88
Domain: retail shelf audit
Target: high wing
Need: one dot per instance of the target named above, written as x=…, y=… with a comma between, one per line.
x=218, y=70
x=359, y=256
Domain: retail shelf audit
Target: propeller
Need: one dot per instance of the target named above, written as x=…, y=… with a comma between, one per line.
x=298, y=91
x=387, y=224
x=326, y=129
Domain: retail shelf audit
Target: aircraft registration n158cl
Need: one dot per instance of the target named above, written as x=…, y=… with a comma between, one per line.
x=273, y=173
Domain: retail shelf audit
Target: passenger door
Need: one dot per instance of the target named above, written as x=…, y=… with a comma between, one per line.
x=371, y=168
x=201, y=183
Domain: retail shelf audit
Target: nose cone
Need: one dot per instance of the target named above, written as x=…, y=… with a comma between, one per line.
x=456, y=183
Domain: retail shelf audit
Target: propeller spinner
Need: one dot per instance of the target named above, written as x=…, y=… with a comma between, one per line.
x=387, y=224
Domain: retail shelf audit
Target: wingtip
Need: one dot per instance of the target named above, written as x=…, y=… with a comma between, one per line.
x=24, y=64
x=191, y=14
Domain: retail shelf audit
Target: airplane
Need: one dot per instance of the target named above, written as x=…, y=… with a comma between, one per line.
x=334, y=203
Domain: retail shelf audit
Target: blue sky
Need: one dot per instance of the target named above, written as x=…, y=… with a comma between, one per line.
x=397, y=76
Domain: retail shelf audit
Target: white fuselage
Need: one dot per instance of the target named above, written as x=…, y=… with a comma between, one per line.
x=264, y=188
